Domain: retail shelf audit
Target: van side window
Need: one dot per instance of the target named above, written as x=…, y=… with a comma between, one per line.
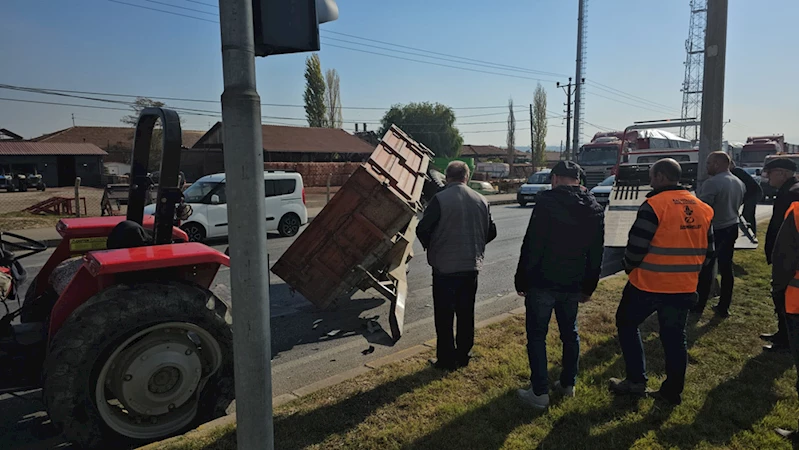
x=269, y=188
x=273, y=188
x=220, y=191
x=285, y=187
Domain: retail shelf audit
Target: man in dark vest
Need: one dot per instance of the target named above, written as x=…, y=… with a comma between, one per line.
x=455, y=229
x=781, y=175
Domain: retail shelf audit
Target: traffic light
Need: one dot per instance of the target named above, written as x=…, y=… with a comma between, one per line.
x=290, y=26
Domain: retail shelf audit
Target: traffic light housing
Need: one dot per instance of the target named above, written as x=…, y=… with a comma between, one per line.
x=290, y=26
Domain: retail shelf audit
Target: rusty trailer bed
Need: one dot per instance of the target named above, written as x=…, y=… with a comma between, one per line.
x=364, y=237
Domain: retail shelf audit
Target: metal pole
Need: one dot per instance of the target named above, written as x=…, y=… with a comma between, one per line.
x=568, y=119
x=710, y=132
x=77, y=196
x=244, y=174
x=578, y=77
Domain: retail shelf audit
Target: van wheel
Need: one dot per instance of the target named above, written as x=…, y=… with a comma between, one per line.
x=289, y=225
x=195, y=231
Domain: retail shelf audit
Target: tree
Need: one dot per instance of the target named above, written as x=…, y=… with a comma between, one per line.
x=511, y=141
x=156, y=144
x=314, y=96
x=333, y=100
x=432, y=124
x=539, y=126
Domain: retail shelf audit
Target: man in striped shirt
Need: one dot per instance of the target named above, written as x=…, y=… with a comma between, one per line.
x=669, y=243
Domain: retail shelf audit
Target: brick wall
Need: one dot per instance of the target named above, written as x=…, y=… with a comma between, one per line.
x=316, y=174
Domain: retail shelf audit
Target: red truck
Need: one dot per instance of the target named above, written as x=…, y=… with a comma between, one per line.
x=600, y=157
x=757, y=148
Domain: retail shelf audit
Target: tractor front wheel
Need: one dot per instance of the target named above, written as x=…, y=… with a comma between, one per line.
x=140, y=363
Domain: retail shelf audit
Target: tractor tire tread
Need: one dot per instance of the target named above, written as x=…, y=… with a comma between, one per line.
x=90, y=333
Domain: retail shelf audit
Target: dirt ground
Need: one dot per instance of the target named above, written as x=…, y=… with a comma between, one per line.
x=11, y=202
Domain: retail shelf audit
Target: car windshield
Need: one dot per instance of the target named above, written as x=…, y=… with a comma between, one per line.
x=755, y=156
x=540, y=178
x=608, y=181
x=598, y=156
x=197, y=191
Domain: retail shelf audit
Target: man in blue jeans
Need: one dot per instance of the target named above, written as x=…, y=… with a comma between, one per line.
x=669, y=243
x=559, y=267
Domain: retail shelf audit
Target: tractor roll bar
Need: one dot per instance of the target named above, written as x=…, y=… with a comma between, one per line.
x=168, y=191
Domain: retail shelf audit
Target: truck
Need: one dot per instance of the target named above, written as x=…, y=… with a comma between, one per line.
x=632, y=183
x=607, y=150
x=757, y=148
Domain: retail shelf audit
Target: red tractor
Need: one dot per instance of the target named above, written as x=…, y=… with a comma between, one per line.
x=119, y=328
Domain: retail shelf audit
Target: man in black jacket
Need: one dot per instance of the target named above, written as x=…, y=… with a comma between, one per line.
x=752, y=196
x=781, y=174
x=559, y=267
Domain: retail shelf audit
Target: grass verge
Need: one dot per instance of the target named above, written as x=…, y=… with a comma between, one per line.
x=24, y=220
x=735, y=394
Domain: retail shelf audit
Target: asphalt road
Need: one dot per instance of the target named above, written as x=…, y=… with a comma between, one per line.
x=302, y=354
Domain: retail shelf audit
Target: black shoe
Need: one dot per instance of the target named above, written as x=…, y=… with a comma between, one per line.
x=696, y=310
x=666, y=397
x=772, y=337
x=777, y=347
x=627, y=387
x=723, y=313
x=790, y=435
x=441, y=365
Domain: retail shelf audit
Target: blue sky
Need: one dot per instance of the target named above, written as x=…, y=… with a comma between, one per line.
x=636, y=46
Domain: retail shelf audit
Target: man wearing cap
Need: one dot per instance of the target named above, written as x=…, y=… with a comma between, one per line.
x=455, y=229
x=724, y=192
x=669, y=242
x=780, y=173
x=559, y=268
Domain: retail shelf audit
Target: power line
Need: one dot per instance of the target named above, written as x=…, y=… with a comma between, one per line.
x=163, y=11
x=182, y=7
x=211, y=5
x=484, y=63
x=435, y=64
x=496, y=65
x=625, y=103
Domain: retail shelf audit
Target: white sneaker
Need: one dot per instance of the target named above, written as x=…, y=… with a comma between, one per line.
x=529, y=398
x=566, y=391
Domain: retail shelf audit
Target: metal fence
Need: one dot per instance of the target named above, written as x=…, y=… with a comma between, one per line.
x=52, y=201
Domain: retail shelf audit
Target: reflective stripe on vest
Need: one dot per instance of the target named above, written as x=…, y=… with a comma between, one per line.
x=679, y=247
x=792, y=293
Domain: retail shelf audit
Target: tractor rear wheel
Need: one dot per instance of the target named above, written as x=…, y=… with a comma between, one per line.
x=139, y=363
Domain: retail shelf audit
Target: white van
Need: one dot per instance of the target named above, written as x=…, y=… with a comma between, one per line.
x=285, y=205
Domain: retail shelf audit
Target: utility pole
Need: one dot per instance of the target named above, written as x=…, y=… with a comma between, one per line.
x=244, y=172
x=712, y=127
x=578, y=91
x=73, y=119
x=569, y=91
x=532, y=139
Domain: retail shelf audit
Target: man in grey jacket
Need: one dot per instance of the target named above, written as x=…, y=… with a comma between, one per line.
x=724, y=192
x=455, y=229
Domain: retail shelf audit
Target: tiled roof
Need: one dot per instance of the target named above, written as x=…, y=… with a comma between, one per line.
x=105, y=137
x=287, y=139
x=16, y=148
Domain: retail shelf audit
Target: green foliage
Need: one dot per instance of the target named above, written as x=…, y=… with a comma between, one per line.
x=432, y=124
x=314, y=96
x=539, y=126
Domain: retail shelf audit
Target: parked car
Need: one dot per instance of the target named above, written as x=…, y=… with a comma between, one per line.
x=483, y=187
x=602, y=190
x=285, y=205
x=539, y=181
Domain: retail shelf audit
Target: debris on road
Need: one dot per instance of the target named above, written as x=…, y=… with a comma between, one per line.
x=369, y=350
x=372, y=326
x=316, y=323
x=333, y=333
